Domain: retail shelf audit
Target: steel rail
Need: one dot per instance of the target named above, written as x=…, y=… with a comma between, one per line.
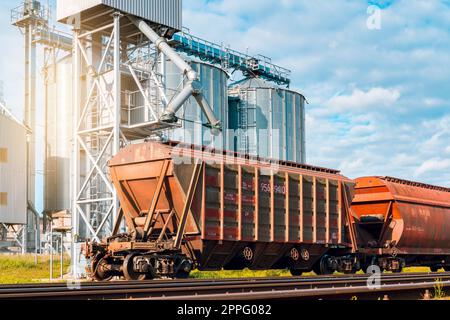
x=62, y=284
x=386, y=291
x=214, y=289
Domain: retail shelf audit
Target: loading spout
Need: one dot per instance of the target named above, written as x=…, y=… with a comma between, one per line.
x=192, y=88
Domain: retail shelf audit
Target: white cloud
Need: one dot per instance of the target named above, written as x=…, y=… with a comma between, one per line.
x=433, y=165
x=433, y=102
x=360, y=100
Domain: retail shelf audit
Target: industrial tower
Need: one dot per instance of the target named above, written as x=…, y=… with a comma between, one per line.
x=33, y=21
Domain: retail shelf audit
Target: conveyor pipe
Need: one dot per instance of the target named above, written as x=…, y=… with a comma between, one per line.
x=192, y=88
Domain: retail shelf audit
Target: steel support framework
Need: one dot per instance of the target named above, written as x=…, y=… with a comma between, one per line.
x=33, y=20
x=102, y=121
x=17, y=232
x=29, y=18
x=97, y=133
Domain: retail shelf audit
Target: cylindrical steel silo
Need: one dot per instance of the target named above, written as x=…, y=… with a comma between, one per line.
x=215, y=84
x=269, y=121
x=59, y=121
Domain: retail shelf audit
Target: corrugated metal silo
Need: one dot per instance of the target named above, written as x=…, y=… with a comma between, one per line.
x=59, y=124
x=215, y=84
x=270, y=121
x=13, y=172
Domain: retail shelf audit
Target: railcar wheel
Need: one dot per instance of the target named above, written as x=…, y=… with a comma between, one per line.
x=182, y=275
x=101, y=270
x=321, y=267
x=184, y=269
x=434, y=268
x=296, y=272
x=399, y=270
x=248, y=254
x=128, y=269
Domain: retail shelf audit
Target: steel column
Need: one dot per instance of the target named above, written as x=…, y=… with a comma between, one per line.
x=327, y=223
x=30, y=120
x=314, y=209
x=301, y=208
x=75, y=176
x=117, y=100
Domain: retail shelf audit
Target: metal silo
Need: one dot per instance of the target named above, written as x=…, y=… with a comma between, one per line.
x=215, y=84
x=59, y=124
x=270, y=121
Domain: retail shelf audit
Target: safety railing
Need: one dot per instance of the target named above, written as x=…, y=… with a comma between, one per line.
x=219, y=54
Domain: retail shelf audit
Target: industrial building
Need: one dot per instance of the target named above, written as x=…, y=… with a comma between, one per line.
x=129, y=72
x=13, y=182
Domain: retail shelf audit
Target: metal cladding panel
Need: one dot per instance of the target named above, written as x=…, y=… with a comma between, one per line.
x=13, y=172
x=215, y=88
x=69, y=8
x=425, y=212
x=424, y=227
x=165, y=12
x=59, y=136
x=272, y=121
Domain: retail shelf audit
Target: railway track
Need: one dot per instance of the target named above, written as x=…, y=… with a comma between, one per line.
x=410, y=286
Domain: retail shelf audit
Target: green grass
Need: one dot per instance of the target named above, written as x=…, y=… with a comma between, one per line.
x=246, y=273
x=22, y=269
x=416, y=269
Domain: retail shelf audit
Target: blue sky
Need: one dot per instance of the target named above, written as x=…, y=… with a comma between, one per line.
x=379, y=100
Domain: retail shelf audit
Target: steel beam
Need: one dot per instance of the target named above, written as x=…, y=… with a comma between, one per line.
x=188, y=203
x=117, y=100
x=151, y=212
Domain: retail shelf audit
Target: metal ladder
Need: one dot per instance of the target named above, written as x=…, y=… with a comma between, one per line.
x=243, y=124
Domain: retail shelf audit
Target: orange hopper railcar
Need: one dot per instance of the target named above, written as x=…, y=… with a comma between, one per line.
x=187, y=207
x=402, y=223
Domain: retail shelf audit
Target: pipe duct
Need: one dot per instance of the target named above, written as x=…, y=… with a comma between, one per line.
x=193, y=86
